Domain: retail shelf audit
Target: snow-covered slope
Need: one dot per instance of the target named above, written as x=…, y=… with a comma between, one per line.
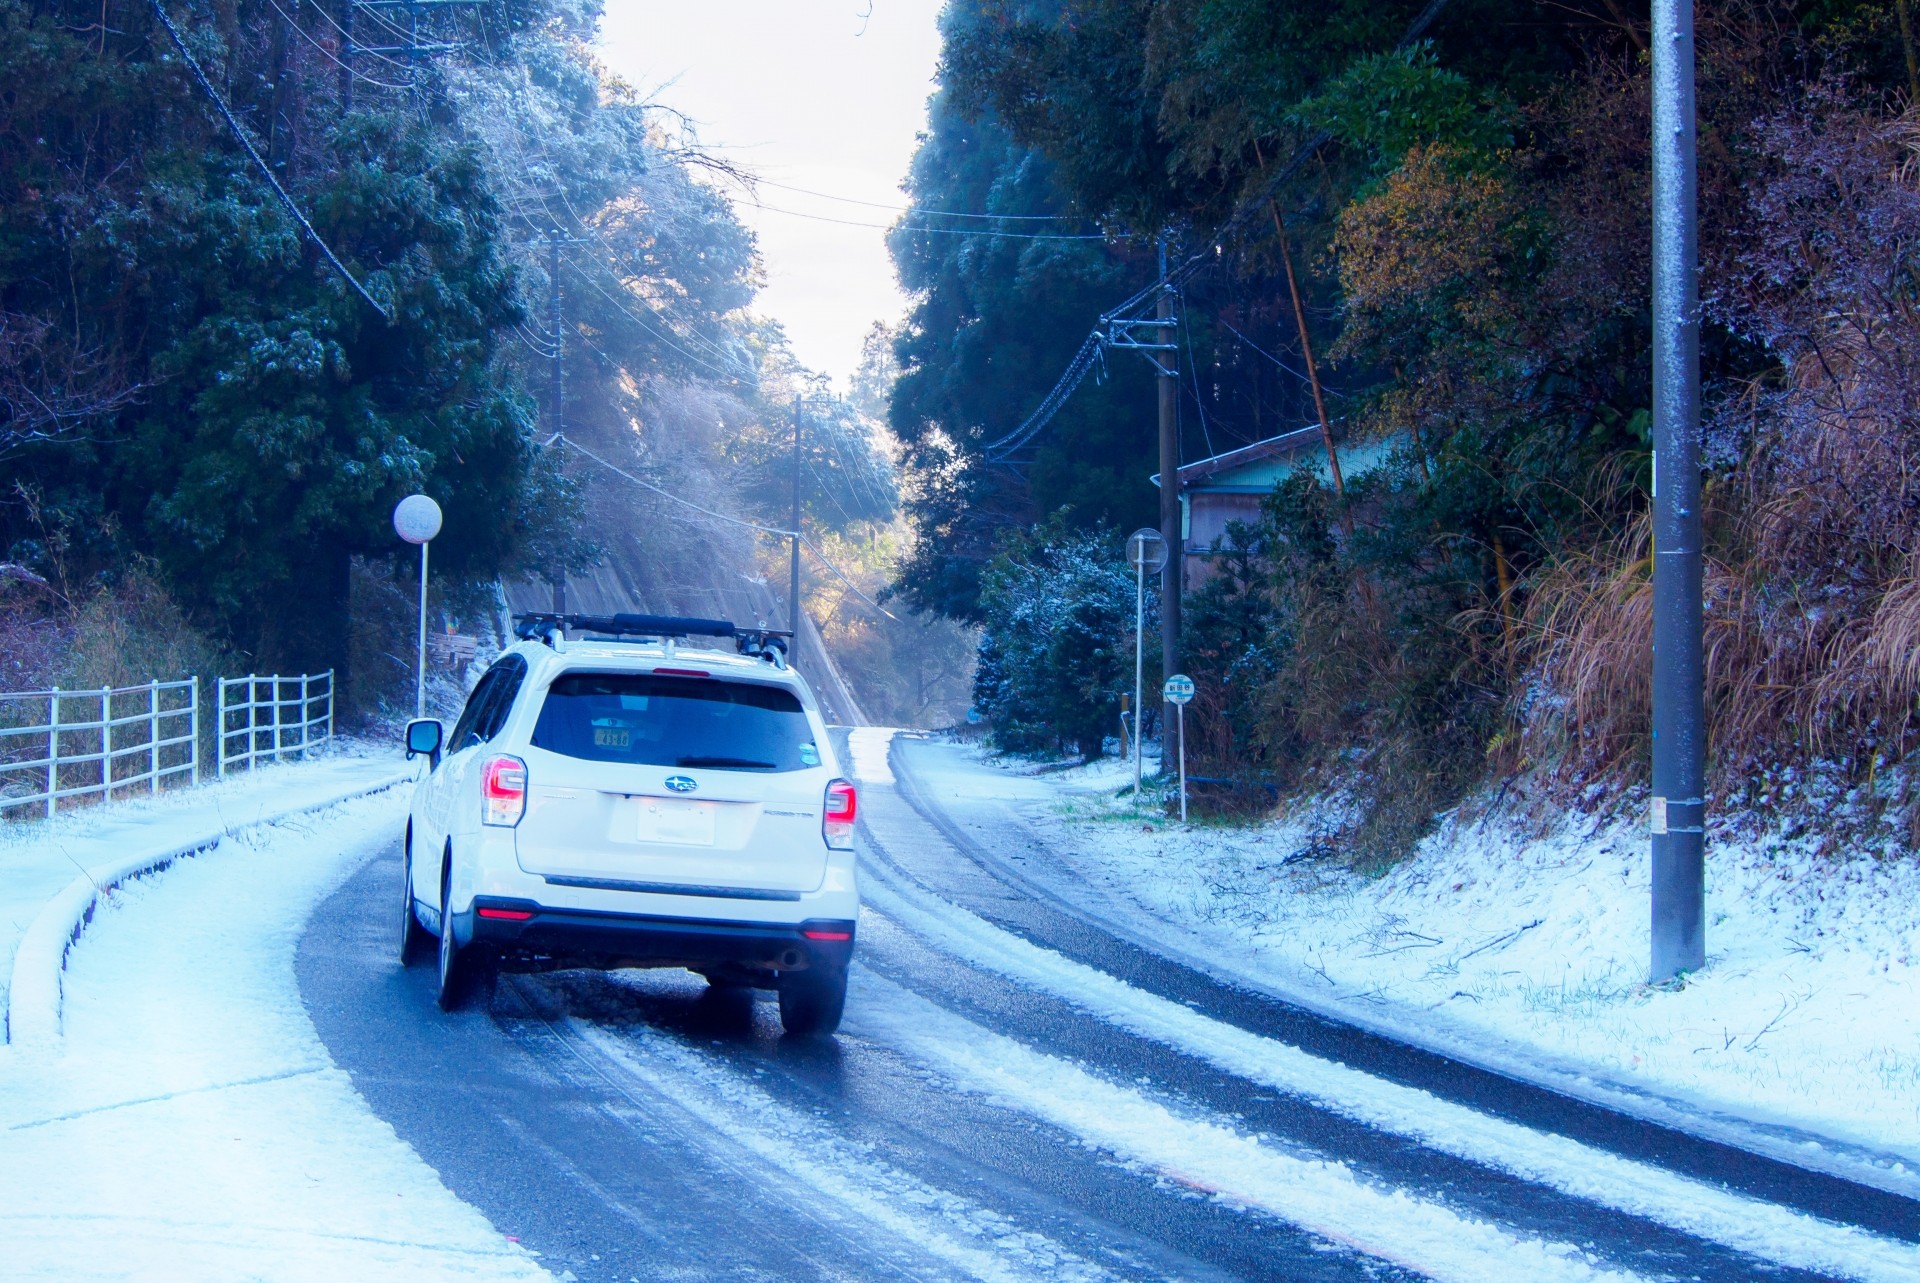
x=1806, y=1018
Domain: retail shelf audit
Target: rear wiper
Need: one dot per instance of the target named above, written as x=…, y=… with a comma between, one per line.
x=721, y=763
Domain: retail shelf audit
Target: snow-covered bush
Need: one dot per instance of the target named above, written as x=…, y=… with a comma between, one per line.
x=1056, y=651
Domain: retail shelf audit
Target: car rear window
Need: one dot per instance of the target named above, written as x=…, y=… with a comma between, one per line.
x=693, y=722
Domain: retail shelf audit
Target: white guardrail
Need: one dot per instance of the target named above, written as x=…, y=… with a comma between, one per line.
x=267, y=718
x=59, y=744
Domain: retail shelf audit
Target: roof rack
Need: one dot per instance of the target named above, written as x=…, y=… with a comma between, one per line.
x=770, y=644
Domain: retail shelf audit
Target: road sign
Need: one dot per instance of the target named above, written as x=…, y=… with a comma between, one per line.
x=1146, y=550
x=1179, y=689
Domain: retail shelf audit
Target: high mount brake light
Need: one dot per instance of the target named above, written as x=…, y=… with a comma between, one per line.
x=681, y=672
x=503, y=791
x=836, y=819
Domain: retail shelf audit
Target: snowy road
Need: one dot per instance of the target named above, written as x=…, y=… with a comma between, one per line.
x=1020, y=1093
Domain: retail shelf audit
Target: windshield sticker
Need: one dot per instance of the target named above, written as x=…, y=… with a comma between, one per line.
x=809, y=755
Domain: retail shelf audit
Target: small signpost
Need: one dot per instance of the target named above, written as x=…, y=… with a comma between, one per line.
x=1147, y=552
x=1178, y=690
x=416, y=519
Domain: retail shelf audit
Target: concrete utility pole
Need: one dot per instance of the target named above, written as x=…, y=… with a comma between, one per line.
x=557, y=394
x=1167, y=376
x=1679, y=706
x=793, y=571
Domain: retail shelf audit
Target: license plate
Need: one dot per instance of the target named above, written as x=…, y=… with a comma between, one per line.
x=676, y=820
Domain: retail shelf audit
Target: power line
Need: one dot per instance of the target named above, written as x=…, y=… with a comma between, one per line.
x=851, y=586
x=1193, y=374
x=570, y=444
x=1076, y=371
x=943, y=231
x=807, y=543
x=193, y=65
x=327, y=53
x=1271, y=357
x=922, y=210
x=656, y=332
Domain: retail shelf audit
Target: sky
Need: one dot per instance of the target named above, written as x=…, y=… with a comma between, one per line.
x=821, y=95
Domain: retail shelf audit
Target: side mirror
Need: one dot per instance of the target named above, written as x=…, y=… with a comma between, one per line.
x=424, y=737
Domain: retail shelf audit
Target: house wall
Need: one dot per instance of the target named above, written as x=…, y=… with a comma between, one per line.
x=1208, y=515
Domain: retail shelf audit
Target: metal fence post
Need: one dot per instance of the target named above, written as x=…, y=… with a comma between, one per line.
x=193, y=721
x=330, y=685
x=153, y=736
x=106, y=742
x=53, y=751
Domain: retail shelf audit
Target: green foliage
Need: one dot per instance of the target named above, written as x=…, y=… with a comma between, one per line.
x=995, y=320
x=249, y=421
x=1386, y=104
x=1055, y=653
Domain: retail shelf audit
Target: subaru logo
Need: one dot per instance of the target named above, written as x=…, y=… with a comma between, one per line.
x=681, y=783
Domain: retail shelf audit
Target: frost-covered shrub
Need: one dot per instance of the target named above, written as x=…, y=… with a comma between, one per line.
x=1056, y=651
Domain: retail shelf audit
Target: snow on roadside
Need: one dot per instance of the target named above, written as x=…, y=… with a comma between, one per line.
x=190, y=1125
x=1807, y=1014
x=39, y=857
x=1774, y=1233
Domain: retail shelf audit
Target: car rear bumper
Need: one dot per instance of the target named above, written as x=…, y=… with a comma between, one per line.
x=530, y=935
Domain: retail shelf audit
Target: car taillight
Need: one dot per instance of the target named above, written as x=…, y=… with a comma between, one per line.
x=836, y=822
x=503, y=791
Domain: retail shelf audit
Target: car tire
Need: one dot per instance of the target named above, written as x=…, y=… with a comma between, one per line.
x=415, y=940
x=812, y=1002
x=465, y=973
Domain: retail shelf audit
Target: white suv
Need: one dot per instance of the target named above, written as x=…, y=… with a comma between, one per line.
x=621, y=801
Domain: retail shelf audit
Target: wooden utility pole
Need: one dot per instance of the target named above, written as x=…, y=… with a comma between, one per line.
x=1306, y=350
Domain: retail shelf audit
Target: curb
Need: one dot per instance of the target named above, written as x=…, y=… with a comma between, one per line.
x=33, y=1018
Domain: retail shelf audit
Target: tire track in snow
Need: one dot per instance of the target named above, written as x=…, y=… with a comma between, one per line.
x=1762, y=1229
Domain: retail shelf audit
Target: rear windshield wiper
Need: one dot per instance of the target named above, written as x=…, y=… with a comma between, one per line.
x=722, y=763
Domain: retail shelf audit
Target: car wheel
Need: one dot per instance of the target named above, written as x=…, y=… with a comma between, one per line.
x=415, y=940
x=464, y=972
x=812, y=1002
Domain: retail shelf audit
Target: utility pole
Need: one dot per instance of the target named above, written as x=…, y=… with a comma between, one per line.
x=1167, y=375
x=793, y=570
x=556, y=396
x=1679, y=704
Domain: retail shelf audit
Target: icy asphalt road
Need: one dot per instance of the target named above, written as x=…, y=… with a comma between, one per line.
x=1020, y=1094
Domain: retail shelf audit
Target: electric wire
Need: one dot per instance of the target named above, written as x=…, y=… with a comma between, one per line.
x=1193, y=375
x=193, y=65
x=942, y=231
x=921, y=210
x=348, y=37
x=805, y=542
x=570, y=444
x=656, y=332
x=1277, y=361
x=1070, y=380
x=327, y=53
